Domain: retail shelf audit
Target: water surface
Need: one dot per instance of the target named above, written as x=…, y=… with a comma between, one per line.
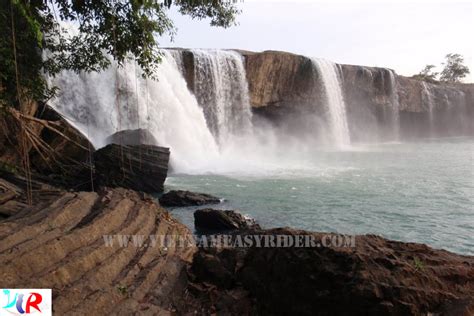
x=420, y=192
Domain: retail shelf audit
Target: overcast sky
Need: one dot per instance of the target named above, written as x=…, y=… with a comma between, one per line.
x=402, y=35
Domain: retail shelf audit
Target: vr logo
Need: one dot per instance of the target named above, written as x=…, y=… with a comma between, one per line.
x=24, y=301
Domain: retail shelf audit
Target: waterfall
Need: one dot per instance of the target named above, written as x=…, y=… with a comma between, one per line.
x=395, y=105
x=427, y=98
x=334, y=101
x=221, y=88
x=100, y=104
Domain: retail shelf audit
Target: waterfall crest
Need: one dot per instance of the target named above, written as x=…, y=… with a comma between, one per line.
x=427, y=98
x=335, y=104
x=221, y=88
x=395, y=105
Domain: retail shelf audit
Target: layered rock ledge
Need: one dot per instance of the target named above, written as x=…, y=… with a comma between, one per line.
x=60, y=244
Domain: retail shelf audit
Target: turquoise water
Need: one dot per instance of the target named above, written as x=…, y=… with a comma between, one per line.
x=419, y=192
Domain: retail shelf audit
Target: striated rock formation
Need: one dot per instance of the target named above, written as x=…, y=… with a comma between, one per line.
x=180, y=198
x=13, y=197
x=140, y=167
x=375, y=277
x=60, y=244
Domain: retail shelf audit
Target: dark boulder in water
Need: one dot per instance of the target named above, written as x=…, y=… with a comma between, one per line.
x=133, y=137
x=211, y=220
x=140, y=167
x=181, y=198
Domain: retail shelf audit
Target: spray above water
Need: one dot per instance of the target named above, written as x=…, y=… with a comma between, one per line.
x=100, y=104
x=210, y=131
x=336, y=107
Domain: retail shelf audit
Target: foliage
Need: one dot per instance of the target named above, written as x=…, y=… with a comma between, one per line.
x=21, y=34
x=454, y=68
x=427, y=74
x=418, y=264
x=104, y=30
x=122, y=289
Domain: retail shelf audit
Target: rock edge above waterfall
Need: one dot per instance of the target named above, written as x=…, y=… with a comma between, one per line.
x=284, y=85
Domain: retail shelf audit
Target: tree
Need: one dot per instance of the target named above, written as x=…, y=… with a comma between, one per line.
x=427, y=74
x=454, y=68
x=34, y=40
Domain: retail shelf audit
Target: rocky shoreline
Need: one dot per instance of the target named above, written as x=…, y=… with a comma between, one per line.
x=59, y=243
x=85, y=231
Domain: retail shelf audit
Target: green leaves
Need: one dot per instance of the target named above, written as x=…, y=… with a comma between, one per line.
x=102, y=31
x=454, y=68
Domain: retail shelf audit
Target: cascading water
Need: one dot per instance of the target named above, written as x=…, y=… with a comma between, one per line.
x=427, y=99
x=395, y=105
x=334, y=101
x=100, y=104
x=221, y=88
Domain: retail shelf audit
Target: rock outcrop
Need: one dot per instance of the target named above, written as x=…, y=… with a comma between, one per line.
x=211, y=220
x=181, y=198
x=71, y=243
x=81, y=245
x=133, y=137
x=138, y=167
x=374, y=277
x=56, y=150
x=13, y=198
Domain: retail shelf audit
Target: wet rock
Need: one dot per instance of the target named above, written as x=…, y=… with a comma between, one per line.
x=140, y=167
x=211, y=220
x=180, y=198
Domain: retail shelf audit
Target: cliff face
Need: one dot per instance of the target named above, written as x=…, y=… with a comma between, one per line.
x=279, y=80
x=372, y=96
x=284, y=85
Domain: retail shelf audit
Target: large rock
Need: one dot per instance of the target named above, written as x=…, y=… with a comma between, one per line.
x=181, y=198
x=375, y=276
x=141, y=168
x=62, y=244
x=60, y=154
x=211, y=220
x=133, y=137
